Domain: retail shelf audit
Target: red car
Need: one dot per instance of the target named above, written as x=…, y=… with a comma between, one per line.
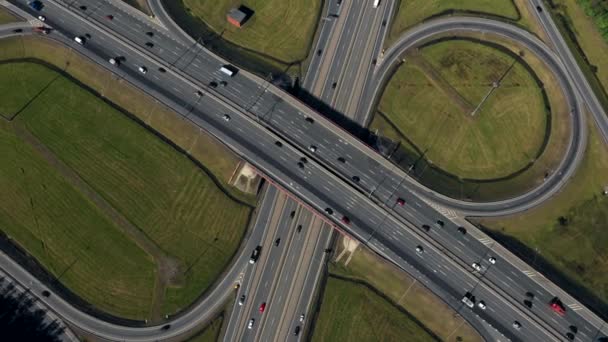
x=557, y=306
x=345, y=220
x=400, y=201
x=42, y=29
x=262, y=307
x=109, y=17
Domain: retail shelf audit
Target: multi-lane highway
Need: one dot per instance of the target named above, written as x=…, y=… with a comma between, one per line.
x=292, y=281
x=268, y=116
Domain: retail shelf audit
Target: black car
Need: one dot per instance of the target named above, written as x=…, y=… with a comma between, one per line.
x=255, y=255
x=278, y=143
x=570, y=336
x=341, y=160
x=163, y=70
x=462, y=230
x=17, y=30
x=300, y=165
x=297, y=331
x=329, y=211
x=356, y=179
x=166, y=327
x=150, y=44
x=426, y=227
x=213, y=84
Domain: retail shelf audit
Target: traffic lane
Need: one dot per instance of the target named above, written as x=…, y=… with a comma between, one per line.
x=204, y=68
x=352, y=22
x=276, y=294
x=454, y=285
x=327, y=28
x=269, y=201
x=405, y=246
x=353, y=74
x=267, y=253
x=300, y=257
x=263, y=292
x=312, y=280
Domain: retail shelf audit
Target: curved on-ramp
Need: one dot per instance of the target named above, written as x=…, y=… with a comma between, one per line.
x=458, y=25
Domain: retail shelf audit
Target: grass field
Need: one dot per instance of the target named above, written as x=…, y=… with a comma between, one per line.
x=275, y=39
x=213, y=155
x=431, y=100
x=403, y=290
x=413, y=12
x=7, y=17
x=584, y=34
x=210, y=333
x=55, y=223
x=351, y=312
x=578, y=247
x=157, y=189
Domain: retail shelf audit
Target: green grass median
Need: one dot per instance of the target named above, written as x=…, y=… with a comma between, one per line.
x=351, y=312
x=177, y=207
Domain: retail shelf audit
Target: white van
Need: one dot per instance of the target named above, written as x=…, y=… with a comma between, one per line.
x=376, y=3
x=228, y=70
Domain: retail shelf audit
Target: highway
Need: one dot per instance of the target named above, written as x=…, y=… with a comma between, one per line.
x=319, y=185
x=290, y=284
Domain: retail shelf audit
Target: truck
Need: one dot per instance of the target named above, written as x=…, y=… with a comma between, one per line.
x=35, y=5
x=228, y=70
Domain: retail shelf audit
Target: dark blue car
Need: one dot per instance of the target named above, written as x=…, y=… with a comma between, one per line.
x=36, y=5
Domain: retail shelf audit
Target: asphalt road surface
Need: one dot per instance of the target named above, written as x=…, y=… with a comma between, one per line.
x=319, y=185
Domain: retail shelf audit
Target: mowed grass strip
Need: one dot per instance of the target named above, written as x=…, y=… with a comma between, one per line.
x=413, y=12
x=501, y=138
x=158, y=189
x=7, y=17
x=352, y=312
x=406, y=292
x=50, y=219
x=281, y=29
x=577, y=246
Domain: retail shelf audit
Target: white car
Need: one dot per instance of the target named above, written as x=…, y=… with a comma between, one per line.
x=302, y=318
x=113, y=61
x=143, y=69
x=419, y=249
x=41, y=18
x=481, y=305
x=226, y=117
x=79, y=40
x=242, y=300
x=492, y=260
x=250, y=325
x=312, y=148
x=476, y=267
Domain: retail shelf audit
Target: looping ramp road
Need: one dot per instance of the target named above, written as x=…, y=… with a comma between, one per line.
x=457, y=25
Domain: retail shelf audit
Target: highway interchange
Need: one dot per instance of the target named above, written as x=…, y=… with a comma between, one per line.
x=269, y=115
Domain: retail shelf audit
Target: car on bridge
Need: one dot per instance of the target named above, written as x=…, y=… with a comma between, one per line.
x=557, y=306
